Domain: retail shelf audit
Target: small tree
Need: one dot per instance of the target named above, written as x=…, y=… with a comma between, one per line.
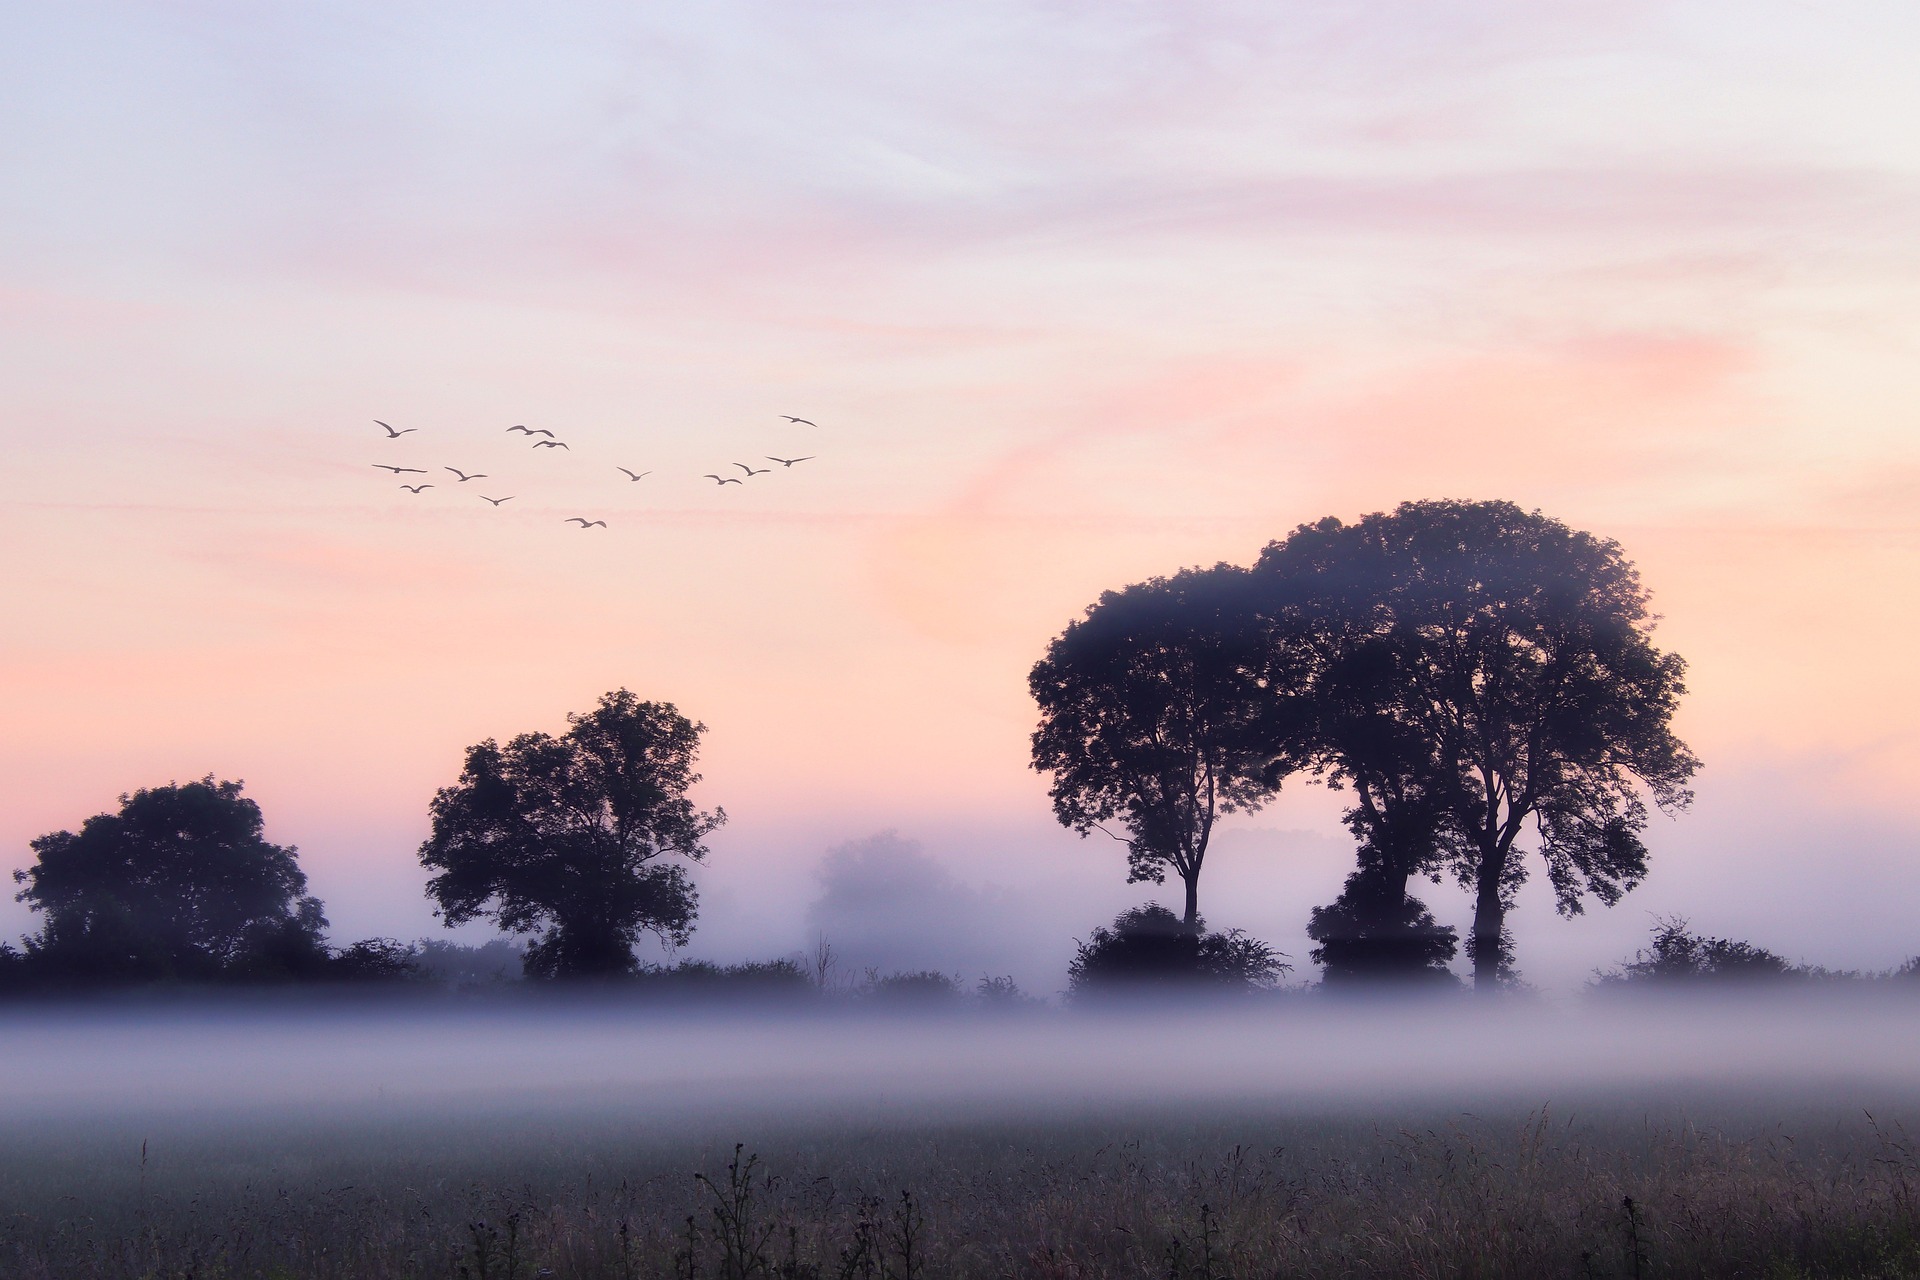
x=180, y=883
x=1156, y=712
x=565, y=837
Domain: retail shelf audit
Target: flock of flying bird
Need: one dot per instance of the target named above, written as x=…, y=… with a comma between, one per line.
x=554, y=442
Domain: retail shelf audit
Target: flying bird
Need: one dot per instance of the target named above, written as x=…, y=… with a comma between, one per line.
x=496, y=501
x=401, y=471
x=464, y=477
x=722, y=479
x=751, y=473
x=584, y=523
x=634, y=475
x=790, y=418
x=532, y=431
x=787, y=462
x=415, y=488
x=552, y=444
x=391, y=433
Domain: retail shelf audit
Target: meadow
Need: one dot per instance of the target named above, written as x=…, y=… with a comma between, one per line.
x=1377, y=1143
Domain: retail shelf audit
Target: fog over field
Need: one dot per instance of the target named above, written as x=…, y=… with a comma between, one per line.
x=714, y=1069
x=1205, y=641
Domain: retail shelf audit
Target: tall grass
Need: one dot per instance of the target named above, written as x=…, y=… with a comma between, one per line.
x=1622, y=1191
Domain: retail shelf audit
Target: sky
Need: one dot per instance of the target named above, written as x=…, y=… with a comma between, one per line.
x=1078, y=294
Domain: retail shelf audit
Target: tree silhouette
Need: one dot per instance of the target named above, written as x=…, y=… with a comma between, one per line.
x=180, y=883
x=1151, y=714
x=1509, y=671
x=1320, y=601
x=564, y=837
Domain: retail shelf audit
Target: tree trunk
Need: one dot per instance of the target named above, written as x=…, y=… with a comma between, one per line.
x=1393, y=883
x=1489, y=921
x=1193, y=900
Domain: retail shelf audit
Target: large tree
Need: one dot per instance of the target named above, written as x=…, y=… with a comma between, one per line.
x=180, y=883
x=1511, y=688
x=567, y=838
x=1157, y=712
x=1318, y=601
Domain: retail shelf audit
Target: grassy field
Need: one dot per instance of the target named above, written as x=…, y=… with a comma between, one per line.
x=1707, y=1185
x=504, y=1141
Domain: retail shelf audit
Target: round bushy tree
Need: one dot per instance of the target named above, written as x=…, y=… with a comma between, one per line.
x=180, y=883
x=569, y=838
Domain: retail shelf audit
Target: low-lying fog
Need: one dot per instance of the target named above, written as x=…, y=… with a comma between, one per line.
x=183, y=1060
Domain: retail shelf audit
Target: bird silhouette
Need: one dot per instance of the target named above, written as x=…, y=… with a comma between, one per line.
x=551, y=444
x=401, y=471
x=790, y=418
x=634, y=475
x=415, y=488
x=584, y=523
x=532, y=431
x=722, y=479
x=496, y=501
x=751, y=473
x=787, y=462
x=391, y=433
x=464, y=477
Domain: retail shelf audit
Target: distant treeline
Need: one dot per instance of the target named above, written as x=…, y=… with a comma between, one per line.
x=1479, y=680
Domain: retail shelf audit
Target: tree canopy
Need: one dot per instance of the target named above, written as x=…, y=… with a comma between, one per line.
x=1479, y=678
x=1501, y=678
x=567, y=838
x=180, y=883
x=1151, y=715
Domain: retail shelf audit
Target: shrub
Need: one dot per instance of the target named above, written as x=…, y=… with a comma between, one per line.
x=458, y=965
x=753, y=978
x=1150, y=949
x=922, y=988
x=1375, y=932
x=1677, y=955
x=376, y=960
x=1003, y=994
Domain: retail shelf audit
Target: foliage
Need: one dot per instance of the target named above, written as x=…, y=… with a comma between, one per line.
x=1148, y=949
x=1486, y=671
x=1367, y=936
x=1678, y=955
x=376, y=960
x=179, y=884
x=921, y=988
x=753, y=978
x=564, y=838
x=454, y=964
x=1001, y=993
x=1150, y=713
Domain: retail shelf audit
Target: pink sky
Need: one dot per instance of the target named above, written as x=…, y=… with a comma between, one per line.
x=1079, y=294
